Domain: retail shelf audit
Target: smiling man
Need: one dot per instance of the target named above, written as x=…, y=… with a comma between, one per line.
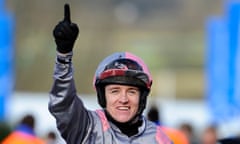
x=122, y=82
x=122, y=102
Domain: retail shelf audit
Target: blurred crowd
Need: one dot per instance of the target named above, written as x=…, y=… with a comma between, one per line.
x=185, y=133
x=24, y=132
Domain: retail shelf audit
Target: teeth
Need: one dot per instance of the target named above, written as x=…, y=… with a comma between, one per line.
x=123, y=108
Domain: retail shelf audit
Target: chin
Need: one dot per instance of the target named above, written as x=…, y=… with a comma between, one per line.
x=122, y=120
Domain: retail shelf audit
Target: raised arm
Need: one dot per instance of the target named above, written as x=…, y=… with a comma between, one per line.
x=71, y=116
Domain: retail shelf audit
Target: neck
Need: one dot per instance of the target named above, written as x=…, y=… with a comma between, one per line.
x=130, y=127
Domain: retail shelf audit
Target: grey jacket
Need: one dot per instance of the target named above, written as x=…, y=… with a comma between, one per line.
x=78, y=125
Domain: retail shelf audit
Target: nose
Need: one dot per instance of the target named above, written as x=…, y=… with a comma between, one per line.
x=123, y=97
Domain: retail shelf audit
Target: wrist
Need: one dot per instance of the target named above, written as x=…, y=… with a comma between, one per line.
x=64, y=58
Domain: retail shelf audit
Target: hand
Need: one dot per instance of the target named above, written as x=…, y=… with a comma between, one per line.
x=65, y=32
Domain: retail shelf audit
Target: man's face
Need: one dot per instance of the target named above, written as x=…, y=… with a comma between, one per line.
x=122, y=101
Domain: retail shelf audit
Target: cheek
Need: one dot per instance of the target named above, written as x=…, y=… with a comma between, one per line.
x=135, y=101
x=110, y=100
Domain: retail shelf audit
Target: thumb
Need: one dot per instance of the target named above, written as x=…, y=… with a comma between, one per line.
x=67, y=13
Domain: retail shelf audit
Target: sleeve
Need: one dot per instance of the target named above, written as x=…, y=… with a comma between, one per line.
x=71, y=116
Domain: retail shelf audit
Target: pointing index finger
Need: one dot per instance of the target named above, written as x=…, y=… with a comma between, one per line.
x=67, y=13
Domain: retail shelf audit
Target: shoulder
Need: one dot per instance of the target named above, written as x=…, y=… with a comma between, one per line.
x=100, y=118
x=156, y=131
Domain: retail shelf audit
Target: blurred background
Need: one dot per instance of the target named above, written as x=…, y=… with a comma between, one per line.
x=190, y=46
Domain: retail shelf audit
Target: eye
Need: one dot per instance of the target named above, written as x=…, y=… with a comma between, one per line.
x=113, y=91
x=133, y=91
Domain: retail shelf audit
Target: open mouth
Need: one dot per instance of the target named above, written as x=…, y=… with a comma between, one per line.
x=123, y=108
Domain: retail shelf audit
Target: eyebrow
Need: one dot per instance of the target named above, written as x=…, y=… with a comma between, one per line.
x=117, y=87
